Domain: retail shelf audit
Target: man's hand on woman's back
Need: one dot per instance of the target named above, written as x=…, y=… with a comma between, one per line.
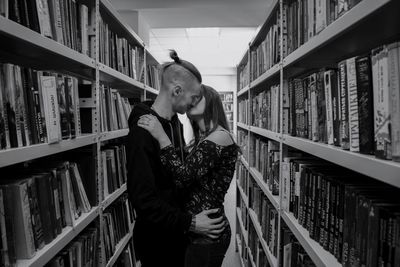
x=207, y=226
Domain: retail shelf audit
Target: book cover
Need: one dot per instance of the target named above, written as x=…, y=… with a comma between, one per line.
x=353, y=105
x=321, y=104
x=39, y=107
x=35, y=214
x=394, y=87
x=23, y=131
x=320, y=15
x=30, y=107
x=365, y=104
x=335, y=94
x=55, y=20
x=380, y=78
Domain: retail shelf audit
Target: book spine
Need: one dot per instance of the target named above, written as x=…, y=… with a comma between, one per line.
x=328, y=98
x=15, y=138
x=20, y=113
x=353, y=104
x=35, y=214
x=365, y=104
x=9, y=235
x=344, y=117
x=381, y=104
x=394, y=85
x=320, y=21
x=30, y=110
x=335, y=108
x=38, y=100
x=5, y=138
x=62, y=104
x=44, y=18
x=50, y=103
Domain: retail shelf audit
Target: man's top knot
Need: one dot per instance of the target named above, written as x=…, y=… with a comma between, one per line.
x=174, y=56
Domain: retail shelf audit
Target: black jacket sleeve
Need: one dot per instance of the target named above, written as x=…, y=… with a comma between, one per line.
x=142, y=189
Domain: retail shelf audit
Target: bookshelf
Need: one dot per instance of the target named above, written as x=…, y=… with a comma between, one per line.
x=227, y=98
x=365, y=26
x=25, y=47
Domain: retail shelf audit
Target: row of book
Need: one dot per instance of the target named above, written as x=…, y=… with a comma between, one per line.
x=243, y=75
x=355, y=107
x=64, y=21
x=265, y=109
x=351, y=216
x=267, y=216
x=242, y=176
x=118, y=220
x=37, y=107
x=264, y=157
x=153, y=77
x=36, y=205
x=81, y=252
x=113, y=172
x=127, y=258
x=243, y=111
x=292, y=253
x=117, y=53
x=267, y=53
x=243, y=251
x=304, y=19
x=226, y=96
x=114, y=109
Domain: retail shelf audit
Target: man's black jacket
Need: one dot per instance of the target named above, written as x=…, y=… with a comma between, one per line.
x=160, y=223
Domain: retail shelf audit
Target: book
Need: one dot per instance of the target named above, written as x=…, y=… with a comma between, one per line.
x=44, y=18
x=51, y=108
x=353, y=104
x=365, y=104
x=380, y=78
x=329, y=78
x=394, y=85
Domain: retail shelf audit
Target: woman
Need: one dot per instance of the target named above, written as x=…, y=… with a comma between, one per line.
x=205, y=175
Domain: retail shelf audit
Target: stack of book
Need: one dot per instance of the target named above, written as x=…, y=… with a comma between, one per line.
x=36, y=204
x=37, y=107
x=265, y=109
x=153, y=77
x=114, y=172
x=244, y=75
x=355, y=107
x=266, y=54
x=117, y=222
x=117, y=53
x=66, y=22
x=330, y=202
x=307, y=18
x=267, y=216
x=292, y=253
x=265, y=159
x=82, y=251
x=114, y=110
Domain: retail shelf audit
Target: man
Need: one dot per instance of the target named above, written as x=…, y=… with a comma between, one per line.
x=159, y=234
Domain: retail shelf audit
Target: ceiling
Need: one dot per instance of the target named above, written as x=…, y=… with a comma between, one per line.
x=200, y=13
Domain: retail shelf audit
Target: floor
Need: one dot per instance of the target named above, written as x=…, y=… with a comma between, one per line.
x=231, y=257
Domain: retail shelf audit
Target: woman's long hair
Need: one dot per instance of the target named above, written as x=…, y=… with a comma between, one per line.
x=214, y=112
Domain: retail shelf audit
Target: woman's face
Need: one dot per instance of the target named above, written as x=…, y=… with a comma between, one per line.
x=198, y=110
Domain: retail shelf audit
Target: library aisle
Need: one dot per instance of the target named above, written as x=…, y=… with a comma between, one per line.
x=310, y=91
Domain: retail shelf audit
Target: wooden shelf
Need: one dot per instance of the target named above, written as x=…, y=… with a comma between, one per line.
x=383, y=170
x=113, y=134
x=318, y=254
x=242, y=125
x=264, y=187
x=151, y=90
x=271, y=73
x=119, y=248
x=271, y=258
x=361, y=29
x=67, y=235
x=26, y=47
x=118, y=80
x=113, y=196
x=266, y=133
x=21, y=154
x=243, y=90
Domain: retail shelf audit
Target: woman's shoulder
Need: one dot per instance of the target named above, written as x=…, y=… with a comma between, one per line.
x=220, y=137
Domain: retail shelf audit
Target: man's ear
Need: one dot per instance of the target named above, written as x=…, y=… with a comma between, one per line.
x=177, y=90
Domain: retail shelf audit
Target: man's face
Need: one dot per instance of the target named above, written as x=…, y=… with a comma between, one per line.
x=188, y=97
